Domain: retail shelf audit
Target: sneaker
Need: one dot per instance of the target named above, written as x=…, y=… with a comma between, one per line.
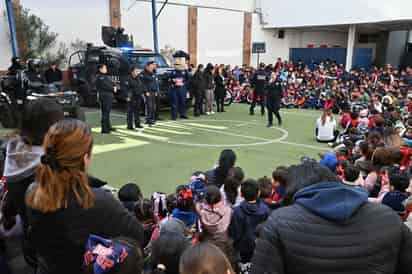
x=212, y=112
x=184, y=117
x=130, y=128
x=139, y=126
x=208, y=113
x=269, y=125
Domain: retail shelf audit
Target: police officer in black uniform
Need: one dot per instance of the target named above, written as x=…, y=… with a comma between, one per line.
x=105, y=88
x=15, y=66
x=53, y=74
x=135, y=90
x=274, y=96
x=149, y=80
x=259, y=83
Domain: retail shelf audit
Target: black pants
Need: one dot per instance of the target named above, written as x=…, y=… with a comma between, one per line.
x=198, y=107
x=106, y=102
x=133, y=112
x=261, y=103
x=273, y=108
x=220, y=100
x=150, y=108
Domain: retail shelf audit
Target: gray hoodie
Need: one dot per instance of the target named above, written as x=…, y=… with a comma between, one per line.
x=21, y=159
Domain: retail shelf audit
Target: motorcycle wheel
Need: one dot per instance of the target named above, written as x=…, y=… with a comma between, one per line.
x=6, y=117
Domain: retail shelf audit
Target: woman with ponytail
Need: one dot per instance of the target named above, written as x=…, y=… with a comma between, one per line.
x=63, y=210
x=218, y=175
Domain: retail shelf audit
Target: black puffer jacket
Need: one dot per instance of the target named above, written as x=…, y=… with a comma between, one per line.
x=332, y=228
x=60, y=237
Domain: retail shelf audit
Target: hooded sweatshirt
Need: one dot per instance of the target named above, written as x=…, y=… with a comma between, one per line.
x=215, y=219
x=333, y=201
x=21, y=160
x=19, y=171
x=243, y=226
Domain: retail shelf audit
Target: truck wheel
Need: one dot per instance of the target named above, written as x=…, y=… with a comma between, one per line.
x=6, y=117
x=78, y=114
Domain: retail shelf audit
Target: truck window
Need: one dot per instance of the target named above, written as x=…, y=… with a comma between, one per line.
x=140, y=61
x=76, y=58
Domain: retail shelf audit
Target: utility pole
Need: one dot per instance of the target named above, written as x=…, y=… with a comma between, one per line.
x=12, y=26
x=154, y=19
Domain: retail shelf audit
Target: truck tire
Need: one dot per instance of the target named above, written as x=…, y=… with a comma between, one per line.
x=6, y=117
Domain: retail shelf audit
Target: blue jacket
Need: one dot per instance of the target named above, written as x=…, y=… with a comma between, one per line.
x=188, y=217
x=245, y=220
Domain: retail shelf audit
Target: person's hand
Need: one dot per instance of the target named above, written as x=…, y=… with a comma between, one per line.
x=115, y=89
x=147, y=94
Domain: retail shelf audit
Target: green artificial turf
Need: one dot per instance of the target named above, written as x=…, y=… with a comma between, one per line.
x=156, y=162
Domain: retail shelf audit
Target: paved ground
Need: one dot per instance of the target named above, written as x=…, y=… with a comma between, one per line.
x=164, y=156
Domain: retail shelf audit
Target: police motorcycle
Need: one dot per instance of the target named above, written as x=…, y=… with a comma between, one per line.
x=26, y=85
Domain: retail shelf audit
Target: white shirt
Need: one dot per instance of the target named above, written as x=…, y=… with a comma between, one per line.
x=325, y=132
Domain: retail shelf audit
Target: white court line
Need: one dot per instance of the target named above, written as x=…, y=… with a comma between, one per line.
x=265, y=141
x=304, y=145
x=167, y=131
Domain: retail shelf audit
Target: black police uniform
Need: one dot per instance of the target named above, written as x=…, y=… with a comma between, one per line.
x=150, y=84
x=274, y=96
x=135, y=90
x=259, y=83
x=105, y=88
x=52, y=76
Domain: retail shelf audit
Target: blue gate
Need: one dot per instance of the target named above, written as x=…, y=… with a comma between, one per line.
x=362, y=57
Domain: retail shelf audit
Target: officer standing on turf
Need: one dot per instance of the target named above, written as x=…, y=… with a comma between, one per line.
x=105, y=88
x=259, y=83
x=178, y=80
x=274, y=96
x=135, y=90
x=149, y=80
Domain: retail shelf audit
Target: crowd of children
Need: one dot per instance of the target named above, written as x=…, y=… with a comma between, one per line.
x=346, y=213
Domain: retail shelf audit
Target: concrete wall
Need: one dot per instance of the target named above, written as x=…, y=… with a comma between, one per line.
x=277, y=47
x=5, y=46
x=172, y=25
x=283, y=14
x=220, y=36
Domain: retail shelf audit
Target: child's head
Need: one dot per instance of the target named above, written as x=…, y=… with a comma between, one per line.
x=397, y=155
x=166, y=252
x=398, y=181
x=204, y=258
x=280, y=176
x=213, y=195
x=144, y=211
x=125, y=252
x=184, y=199
x=250, y=190
x=171, y=202
x=350, y=174
x=130, y=192
x=265, y=187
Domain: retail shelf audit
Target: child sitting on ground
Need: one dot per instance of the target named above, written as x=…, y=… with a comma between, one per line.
x=144, y=213
x=279, y=182
x=129, y=195
x=214, y=214
x=266, y=193
x=396, y=196
x=245, y=220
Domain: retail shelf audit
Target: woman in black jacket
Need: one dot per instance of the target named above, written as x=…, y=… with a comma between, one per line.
x=331, y=228
x=220, y=90
x=63, y=210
